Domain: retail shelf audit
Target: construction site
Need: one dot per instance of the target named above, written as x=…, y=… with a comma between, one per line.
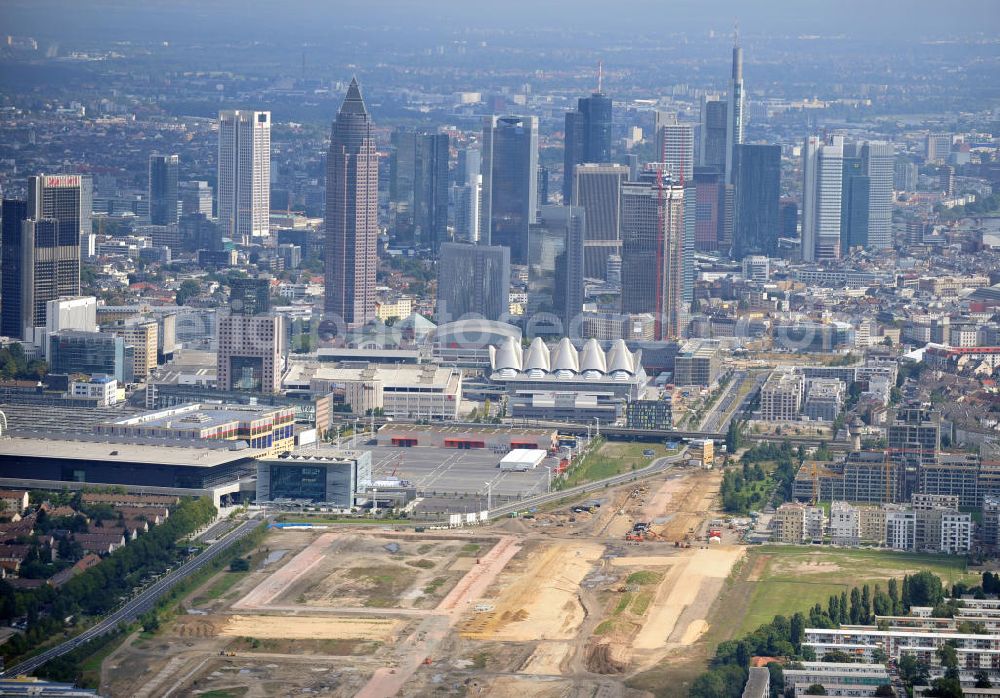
x=570, y=601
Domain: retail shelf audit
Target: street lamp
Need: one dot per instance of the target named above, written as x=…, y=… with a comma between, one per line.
x=548, y=470
x=489, y=495
x=597, y=432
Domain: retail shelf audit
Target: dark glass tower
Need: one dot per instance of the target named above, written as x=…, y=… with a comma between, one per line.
x=14, y=214
x=555, y=272
x=757, y=178
x=430, y=190
x=588, y=137
x=510, y=183
x=854, y=202
x=163, y=189
x=351, y=214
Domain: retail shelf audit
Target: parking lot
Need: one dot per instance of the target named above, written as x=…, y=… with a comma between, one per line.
x=446, y=470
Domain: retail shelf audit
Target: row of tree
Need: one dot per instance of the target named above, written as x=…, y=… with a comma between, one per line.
x=783, y=636
x=99, y=589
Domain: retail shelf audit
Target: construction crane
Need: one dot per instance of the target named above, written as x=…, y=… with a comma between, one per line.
x=815, y=482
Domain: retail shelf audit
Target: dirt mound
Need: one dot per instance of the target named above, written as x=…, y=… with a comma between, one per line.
x=607, y=657
x=200, y=627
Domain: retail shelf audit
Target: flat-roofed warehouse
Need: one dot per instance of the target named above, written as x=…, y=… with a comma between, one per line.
x=499, y=438
x=209, y=467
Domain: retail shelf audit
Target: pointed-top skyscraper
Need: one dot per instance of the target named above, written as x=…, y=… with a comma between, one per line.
x=351, y=214
x=734, y=111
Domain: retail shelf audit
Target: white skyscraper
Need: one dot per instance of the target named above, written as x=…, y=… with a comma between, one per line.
x=675, y=148
x=879, y=162
x=822, y=179
x=734, y=111
x=244, y=185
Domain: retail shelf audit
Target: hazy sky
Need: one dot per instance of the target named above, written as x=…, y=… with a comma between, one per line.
x=299, y=19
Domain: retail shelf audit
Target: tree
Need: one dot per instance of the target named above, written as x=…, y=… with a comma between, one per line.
x=816, y=690
x=894, y=595
x=983, y=679
x=945, y=688
x=777, y=675
x=912, y=671
x=884, y=690
x=948, y=656
x=189, y=289
x=925, y=589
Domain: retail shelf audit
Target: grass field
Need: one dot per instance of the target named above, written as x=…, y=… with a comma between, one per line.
x=786, y=579
x=220, y=587
x=613, y=458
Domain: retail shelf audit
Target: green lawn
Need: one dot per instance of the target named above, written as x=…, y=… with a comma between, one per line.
x=786, y=579
x=226, y=581
x=613, y=458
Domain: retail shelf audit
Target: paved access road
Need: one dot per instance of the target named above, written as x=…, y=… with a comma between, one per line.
x=140, y=604
x=657, y=466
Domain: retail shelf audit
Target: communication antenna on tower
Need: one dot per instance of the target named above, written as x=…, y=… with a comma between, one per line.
x=736, y=32
x=600, y=76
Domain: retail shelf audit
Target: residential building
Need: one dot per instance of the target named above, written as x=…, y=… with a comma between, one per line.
x=781, y=396
x=244, y=177
x=824, y=399
x=938, y=148
x=698, y=362
x=794, y=522
x=510, y=183
x=351, y=215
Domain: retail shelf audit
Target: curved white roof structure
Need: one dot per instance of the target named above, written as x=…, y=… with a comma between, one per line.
x=564, y=357
x=564, y=362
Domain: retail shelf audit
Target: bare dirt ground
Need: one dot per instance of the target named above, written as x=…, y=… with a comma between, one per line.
x=557, y=606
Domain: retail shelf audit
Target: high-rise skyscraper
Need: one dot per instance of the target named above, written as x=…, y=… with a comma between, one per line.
x=597, y=190
x=41, y=250
x=555, y=272
x=244, y=180
x=757, y=182
x=853, y=201
x=163, y=189
x=653, y=253
x=430, y=190
x=351, y=214
x=467, y=195
x=473, y=281
x=710, y=214
x=250, y=352
x=675, y=149
x=14, y=213
x=588, y=137
x=822, y=178
x=712, y=142
x=510, y=183
x=734, y=111
x=879, y=160
x=418, y=187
